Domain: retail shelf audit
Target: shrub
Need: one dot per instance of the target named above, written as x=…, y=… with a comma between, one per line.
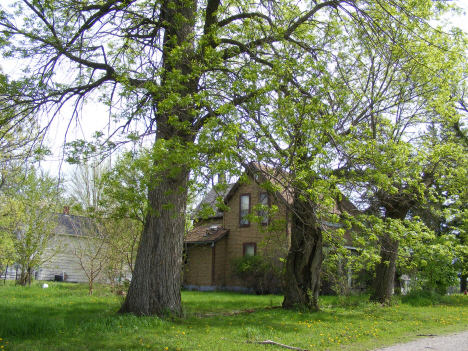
x=420, y=298
x=263, y=274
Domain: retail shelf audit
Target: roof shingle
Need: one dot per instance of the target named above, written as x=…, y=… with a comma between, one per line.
x=206, y=234
x=210, y=199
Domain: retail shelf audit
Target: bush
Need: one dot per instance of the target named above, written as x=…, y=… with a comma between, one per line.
x=263, y=274
x=420, y=298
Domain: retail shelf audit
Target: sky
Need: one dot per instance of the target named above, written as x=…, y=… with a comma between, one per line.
x=95, y=115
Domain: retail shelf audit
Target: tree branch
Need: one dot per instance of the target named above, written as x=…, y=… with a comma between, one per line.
x=228, y=20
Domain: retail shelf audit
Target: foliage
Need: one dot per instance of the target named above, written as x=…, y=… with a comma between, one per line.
x=20, y=143
x=435, y=261
x=7, y=255
x=109, y=234
x=125, y=186
x=20, y=137
x=343, y=272
x=264, y=274
x=122, y=236
x=29, y=207
x=347, y=129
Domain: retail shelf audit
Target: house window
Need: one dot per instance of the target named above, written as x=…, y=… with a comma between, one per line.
x=263, y=213
x=244, y=210
x=250, y=249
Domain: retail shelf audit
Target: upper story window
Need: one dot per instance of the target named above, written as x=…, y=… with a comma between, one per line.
x=244, y=210
x=263, y=213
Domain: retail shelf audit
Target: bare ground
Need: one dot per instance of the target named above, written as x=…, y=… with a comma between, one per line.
x=451, y=342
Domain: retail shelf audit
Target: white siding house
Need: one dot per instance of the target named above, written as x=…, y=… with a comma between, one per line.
x=75, y=238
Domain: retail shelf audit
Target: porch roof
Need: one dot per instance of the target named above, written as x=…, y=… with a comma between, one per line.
x=206, y=234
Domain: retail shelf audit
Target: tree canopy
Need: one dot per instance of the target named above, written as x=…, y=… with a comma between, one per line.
x=201, y=78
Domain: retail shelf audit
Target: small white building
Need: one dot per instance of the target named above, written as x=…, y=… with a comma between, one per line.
x=77, y=241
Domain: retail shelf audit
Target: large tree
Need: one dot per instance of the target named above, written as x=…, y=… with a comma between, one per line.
x=356, y=124
x=392, y=164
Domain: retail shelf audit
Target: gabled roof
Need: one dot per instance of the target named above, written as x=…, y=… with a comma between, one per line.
x=206, y=234
x=280, y=179
x=75, y=225
x=210, y=199
x=277, y=177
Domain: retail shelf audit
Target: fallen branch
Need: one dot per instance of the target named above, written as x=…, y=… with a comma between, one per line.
x=276, y=343
x=426, y=335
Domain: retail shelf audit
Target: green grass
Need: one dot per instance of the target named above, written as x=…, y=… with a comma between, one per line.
x=64, y=317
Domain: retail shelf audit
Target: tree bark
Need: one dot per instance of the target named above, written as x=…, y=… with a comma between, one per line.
x=156, y=280
x=383, y=283
x=463, y=284
x=384, y=280
x=155, y=286
x=304, y=260
x=25, y=277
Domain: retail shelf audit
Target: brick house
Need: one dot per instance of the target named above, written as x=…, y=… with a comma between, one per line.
x=245, y=229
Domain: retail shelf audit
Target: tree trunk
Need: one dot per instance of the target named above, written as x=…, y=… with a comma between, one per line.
x=90, y=287
x=463, y=278
x=156, y=282
x=384, y=280
x=24, y=277
x=304, y=260
x=382, y=286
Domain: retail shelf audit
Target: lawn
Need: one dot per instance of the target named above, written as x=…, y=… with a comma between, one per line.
x=64, y=317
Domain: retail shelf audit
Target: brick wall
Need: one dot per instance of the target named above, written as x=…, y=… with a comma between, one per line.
x=256, y=233
x=220, y=273
x=198, y=268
